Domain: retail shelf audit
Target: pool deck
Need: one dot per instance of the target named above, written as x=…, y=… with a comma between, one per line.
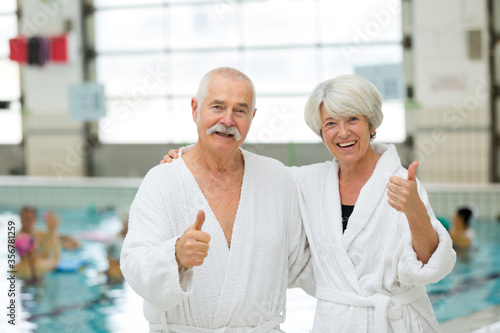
x=484, y=321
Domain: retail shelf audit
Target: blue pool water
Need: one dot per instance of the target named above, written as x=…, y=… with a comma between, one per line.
x=474, y=283
x=79, y=301
x=83, y=302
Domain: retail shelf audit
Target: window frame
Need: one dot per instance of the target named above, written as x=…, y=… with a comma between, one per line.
x=242, y=50
x=15, y=103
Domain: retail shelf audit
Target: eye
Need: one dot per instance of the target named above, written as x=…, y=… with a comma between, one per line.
x=218, y=107
x=330, y=124
x=353, y=119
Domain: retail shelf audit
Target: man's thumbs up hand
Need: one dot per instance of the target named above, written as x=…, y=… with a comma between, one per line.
x=191, y=248
x=200, y=219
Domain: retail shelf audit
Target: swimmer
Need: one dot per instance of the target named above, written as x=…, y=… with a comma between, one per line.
x=114, y=273
x=32, y=264
x=460, y=233
x=28, y=217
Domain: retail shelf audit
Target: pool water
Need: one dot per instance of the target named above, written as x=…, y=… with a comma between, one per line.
x=83, y=302
x=474, y=283
x=79, y=301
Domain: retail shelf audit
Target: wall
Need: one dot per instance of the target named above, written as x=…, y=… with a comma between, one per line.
x=50, y=137
x=451, y=124
x=11, y=157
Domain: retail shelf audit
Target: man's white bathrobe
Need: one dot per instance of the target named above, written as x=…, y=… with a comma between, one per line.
x=368, y=279
x=241, y=289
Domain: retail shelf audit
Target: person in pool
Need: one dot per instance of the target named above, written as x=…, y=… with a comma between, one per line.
x=28, y=217
x=375, y=241
x=33, y=264
x=114, y=273
x=460, y=232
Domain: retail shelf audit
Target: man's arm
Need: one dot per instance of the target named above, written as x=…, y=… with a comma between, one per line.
x=148, y=258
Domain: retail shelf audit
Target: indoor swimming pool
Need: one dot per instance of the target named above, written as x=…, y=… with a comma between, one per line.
x=79, y=301
x=82, y=301
x=474, y=283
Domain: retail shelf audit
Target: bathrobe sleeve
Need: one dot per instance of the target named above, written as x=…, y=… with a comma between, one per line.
x=148, y=256
x=441, y=263
x=300, y=267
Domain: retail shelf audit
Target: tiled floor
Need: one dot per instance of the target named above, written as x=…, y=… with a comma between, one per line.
x=484, y=321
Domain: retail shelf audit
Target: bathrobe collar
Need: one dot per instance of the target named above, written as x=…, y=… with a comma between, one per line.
x=371, y=192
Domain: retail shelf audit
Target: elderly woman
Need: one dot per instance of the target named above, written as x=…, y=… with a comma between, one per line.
x=374, y=238
x=375, y=241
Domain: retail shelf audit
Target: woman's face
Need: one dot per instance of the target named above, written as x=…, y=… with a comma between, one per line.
x=347, y=139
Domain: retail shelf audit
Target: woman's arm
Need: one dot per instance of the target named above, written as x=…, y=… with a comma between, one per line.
x=404, y=197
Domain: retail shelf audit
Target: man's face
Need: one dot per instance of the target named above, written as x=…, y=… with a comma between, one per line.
x=228, y=104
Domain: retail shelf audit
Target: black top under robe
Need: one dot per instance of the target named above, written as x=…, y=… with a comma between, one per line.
x=346, y=213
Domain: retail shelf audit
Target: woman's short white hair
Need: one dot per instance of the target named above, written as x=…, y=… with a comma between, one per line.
x=344, y=96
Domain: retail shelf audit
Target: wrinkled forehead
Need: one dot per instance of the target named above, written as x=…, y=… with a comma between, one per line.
x=230, y=89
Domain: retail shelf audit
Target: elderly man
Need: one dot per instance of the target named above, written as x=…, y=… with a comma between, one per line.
x=215, y=237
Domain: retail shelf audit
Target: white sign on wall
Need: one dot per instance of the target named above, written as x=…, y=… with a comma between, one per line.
x=87, y=101
x=387, y=78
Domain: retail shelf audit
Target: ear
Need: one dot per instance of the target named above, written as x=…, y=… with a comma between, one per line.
x=254, y=112
x=194, y=107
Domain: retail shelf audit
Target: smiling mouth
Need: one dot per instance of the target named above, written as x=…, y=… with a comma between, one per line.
x=346, y=144
x=225, y=134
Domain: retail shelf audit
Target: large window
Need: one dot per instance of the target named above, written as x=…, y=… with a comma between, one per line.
x=10, y=117
x=152, y=54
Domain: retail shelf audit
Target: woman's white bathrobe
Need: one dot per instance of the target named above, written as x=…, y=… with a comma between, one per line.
x=368, y=279
x=242, y=288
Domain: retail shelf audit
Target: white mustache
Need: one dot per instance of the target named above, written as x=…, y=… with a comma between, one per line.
x=225, y=130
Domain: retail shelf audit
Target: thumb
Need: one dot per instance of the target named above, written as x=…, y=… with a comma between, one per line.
x=412, y=170
x=200, y=219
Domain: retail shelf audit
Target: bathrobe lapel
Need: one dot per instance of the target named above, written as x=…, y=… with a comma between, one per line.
x=231, y=292
x=334, y=230
x=372, y=193
x=219, y=251
x=230, y=296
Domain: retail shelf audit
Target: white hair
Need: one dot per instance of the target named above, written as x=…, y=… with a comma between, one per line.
x=227, y=72
x=344, y=96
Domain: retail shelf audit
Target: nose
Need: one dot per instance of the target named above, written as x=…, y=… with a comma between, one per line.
x=343, y=130
x=227, y=118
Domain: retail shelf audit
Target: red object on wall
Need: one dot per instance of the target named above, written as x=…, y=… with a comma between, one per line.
x=59, y=48
x=18, y=49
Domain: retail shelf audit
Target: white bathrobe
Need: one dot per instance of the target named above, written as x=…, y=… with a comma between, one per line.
x=241, y=289
x=368, y=279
